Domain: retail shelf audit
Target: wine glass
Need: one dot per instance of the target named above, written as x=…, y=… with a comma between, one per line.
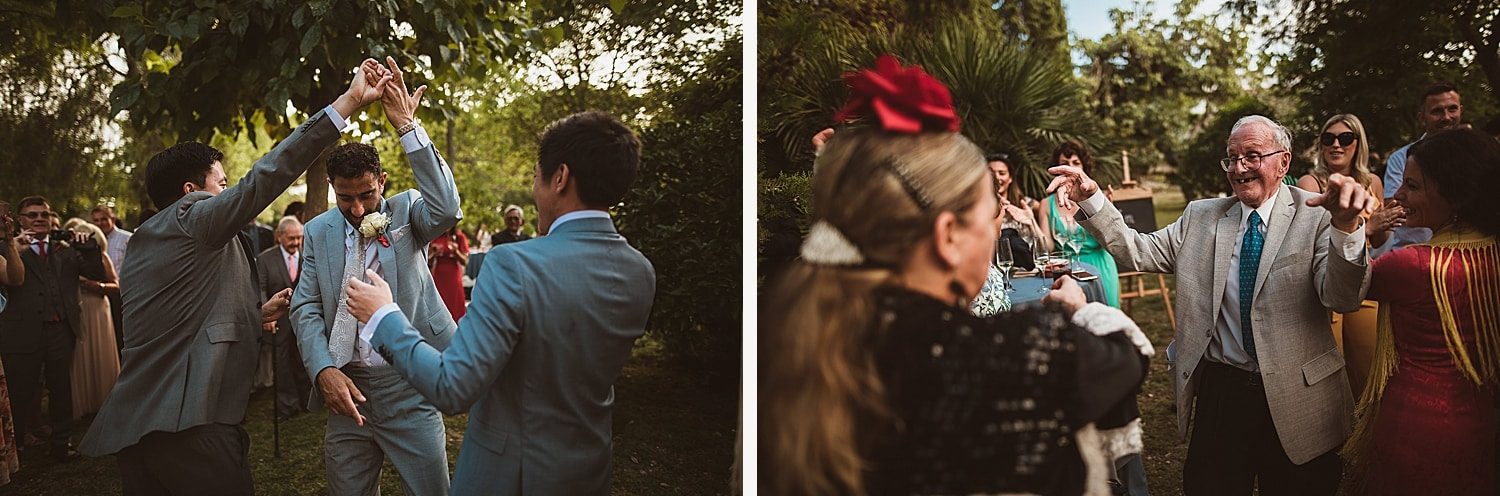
x=1075, y=243
x=1005, y=261
x=1040, y=256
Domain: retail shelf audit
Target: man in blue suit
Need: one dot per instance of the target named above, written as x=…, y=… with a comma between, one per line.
x=551, y=324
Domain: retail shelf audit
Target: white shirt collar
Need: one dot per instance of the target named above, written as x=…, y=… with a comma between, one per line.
x=1264, y=209
x=578, y=214
x=285, y=254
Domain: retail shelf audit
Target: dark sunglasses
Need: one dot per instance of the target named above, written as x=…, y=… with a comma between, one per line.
x=1345, y=138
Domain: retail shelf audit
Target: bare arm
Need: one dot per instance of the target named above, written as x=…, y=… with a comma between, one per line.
x=12, y=271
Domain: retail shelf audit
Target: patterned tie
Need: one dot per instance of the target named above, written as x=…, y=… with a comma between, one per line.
x=1249, y=265
x=341, y=343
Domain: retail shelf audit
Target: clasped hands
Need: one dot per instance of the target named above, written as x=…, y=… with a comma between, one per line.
x=387, y=84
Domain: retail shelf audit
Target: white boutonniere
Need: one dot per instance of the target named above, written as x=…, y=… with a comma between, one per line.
x=374, y=225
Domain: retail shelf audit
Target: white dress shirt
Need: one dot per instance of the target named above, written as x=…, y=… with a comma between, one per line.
x=291, y=263
x=119, y=240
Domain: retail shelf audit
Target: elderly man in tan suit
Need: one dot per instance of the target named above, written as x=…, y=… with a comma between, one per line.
x=1257, y=274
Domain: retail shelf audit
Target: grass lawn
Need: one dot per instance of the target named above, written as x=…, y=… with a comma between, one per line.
x=673, y=434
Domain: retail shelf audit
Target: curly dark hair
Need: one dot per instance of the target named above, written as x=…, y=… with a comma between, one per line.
x=353, y=161
x=1067, y=148
x=183, y=162
x=1464, y=164
x=601, y=152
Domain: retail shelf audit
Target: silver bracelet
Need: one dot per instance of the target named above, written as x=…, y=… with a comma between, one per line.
x=409, y=127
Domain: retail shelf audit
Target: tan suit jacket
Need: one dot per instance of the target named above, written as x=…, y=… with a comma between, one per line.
x=1301, y=277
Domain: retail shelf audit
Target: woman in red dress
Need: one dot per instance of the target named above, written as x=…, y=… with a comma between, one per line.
x=448, y=255
x=1427, y=418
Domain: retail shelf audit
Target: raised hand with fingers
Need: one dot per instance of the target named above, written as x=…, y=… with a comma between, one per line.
x=1072, y=185
x=400, y=107
x=1345, y=199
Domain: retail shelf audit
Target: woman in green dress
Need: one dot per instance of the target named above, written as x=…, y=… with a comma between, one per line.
x=1055, y=219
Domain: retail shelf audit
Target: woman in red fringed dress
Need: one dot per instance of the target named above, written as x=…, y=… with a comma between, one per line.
x=1427, y=418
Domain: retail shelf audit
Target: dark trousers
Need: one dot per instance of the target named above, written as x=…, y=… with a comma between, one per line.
x=205, y=459
x=1234, y=446
x=52, y=365
x=116, y=314
x=292, y=383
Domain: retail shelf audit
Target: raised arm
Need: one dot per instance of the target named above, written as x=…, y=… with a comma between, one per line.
x=214, y=221
x=437, y=208
x=1133, y=250
x=487, y=335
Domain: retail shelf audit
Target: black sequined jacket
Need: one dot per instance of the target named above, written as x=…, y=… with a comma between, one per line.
x=988, y=405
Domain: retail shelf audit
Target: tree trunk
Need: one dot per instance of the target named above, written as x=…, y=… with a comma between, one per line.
x=317, y=187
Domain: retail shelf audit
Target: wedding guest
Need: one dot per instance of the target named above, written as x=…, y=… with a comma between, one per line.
x=1439, y=108
x=119, y=240
x=1343, y=149
x=12, y=273
x=1060, y=219
x=1260, y=381
x=552, y=323
x=277, y=269
x=1016, y=209
x=378, y=415
x=96, y=360
x=878, y=381
x=41, y=324
x=175, y=416
x=447, y=257
x=1426, y=420
x=515, y=222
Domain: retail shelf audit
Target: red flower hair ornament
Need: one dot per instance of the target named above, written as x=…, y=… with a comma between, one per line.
x=904, y=99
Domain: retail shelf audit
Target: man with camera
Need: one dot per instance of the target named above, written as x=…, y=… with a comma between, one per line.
x=40, y=324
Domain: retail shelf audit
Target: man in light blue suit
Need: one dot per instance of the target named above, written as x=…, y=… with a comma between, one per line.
x=552, y=322
x=379, y=415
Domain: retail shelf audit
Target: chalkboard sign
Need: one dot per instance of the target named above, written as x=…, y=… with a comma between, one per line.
x=1134, y=203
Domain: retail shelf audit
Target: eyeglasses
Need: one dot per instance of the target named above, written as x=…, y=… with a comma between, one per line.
x=1252, y=160
x=35, y=215
x=1345, y=138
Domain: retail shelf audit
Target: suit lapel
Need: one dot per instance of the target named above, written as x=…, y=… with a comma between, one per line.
x=1281, y=215
x=389, y=269
x=284, y=271
x=1224, y=234
x=332, y=278
x=34, y=265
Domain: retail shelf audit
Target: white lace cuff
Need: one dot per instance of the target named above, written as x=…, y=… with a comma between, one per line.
x=1100, y=319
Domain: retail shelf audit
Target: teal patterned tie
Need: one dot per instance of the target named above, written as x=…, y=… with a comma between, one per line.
x=1249, y=265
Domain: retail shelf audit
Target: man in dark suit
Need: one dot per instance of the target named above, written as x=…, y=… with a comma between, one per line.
x=193, y=312
x=41, y=323
x=515, y=219
x=279, y=270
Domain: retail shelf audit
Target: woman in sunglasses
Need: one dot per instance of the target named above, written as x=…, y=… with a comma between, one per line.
x=1342, y=149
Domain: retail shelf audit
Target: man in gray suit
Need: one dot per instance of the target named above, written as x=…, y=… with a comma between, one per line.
x=391, y=419
x=551, y=325
x=278, y=271
x=193, y=313
x=1257, y=274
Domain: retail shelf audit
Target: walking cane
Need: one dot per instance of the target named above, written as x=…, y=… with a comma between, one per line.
x=275, y=415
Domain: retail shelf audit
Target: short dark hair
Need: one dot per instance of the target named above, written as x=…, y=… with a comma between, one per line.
x=183, y=162
x=353, y=161
x=1463, y=164
x=1435, y=89
x=997, y=157
x=1073, y=148
x=601, y=152
x=294, y=209
x=33, y=200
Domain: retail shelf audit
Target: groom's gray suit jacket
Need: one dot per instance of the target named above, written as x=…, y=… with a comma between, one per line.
x=192, y=305
x=417, y=217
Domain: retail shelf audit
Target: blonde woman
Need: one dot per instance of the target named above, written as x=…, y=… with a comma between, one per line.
x=876, y=379
x=96, y=362
x=1343, y=149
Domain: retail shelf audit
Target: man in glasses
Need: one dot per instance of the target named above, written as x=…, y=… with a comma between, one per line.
x=515, y=219
x=40, y=324
x=1257, y=274
x=1441, y=108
